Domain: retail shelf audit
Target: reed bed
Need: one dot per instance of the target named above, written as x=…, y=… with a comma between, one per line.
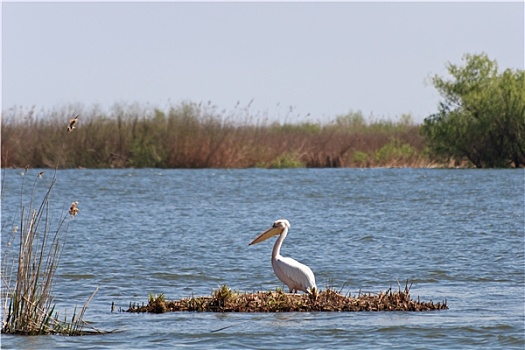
x=199, y=136
x=226, y=300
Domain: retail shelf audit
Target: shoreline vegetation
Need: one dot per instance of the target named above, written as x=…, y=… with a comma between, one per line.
x=480, y=123
x=329, y=300
x=198, y=136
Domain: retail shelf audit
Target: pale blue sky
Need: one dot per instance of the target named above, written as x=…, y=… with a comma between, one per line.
x=318, y=60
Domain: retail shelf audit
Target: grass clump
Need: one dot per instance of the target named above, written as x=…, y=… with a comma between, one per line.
x=286, y=160
x=157, y=303
x=225, y=300
x=30, y=261
x=360, y=159
x=395, y=152
x=28, y=274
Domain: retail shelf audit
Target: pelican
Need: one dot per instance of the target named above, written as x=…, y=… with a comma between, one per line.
x=295, y=275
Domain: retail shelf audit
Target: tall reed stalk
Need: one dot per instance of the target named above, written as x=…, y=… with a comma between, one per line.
x=29, y=264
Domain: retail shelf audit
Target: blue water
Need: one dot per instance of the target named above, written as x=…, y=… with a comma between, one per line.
x=455, y=234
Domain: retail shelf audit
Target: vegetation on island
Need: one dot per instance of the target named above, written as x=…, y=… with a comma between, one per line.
x=226, y=300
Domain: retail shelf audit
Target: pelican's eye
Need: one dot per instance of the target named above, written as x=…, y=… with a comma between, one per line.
x=274, y=225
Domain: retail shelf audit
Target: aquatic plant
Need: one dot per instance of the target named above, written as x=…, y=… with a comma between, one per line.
x=29, y=272
x=28, y=275
x=224, y=300
x=157, y=303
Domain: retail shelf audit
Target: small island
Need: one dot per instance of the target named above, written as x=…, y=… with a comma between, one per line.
x=329, y=300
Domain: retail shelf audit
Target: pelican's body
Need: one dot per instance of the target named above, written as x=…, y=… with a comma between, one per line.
x=295, y=275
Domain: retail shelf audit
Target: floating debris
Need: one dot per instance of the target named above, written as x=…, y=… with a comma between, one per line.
x=225, y=300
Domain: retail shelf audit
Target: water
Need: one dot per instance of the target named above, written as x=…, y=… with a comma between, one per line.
x=455, y=234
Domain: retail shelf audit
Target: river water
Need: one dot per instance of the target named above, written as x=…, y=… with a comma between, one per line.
x=454, y=234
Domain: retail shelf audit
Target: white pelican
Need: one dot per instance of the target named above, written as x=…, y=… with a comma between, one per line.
x=295, y=275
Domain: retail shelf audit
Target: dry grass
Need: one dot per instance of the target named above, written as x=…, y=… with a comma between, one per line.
x=226, y=300
x=30, y=261
x=197, y=136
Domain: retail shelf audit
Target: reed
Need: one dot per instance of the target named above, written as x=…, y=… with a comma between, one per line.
x=30, y=261
x=28, y=274
x=199, y=136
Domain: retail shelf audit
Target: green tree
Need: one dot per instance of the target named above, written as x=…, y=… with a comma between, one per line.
x=481, y=117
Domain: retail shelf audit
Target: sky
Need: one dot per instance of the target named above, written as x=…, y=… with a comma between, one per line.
x=285, y=61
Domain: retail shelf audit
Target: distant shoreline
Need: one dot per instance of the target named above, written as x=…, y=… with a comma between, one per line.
x=192, y=137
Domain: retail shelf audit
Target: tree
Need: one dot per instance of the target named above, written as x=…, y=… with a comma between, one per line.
x=481, y=117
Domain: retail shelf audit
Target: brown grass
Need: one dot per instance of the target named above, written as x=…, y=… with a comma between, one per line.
x=197, y=136
x=225, y=300
x=30, y=260
x=29, y=271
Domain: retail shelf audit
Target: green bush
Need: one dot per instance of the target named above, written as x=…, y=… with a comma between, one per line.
x=482, y=116
x=394, y=151
x=286, y=160
x=360, y=158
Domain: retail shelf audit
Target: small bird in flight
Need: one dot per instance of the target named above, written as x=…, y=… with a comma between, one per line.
x=72, y=123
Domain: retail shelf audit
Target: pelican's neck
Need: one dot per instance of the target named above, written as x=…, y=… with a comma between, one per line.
x=277, y=247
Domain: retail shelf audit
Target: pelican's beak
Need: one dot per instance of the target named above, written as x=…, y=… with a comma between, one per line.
x=272, y=231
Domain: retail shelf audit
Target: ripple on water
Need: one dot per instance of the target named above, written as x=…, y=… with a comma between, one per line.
x=454, y=234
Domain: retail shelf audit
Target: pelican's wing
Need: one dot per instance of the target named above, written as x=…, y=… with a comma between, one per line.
x=295, y=274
